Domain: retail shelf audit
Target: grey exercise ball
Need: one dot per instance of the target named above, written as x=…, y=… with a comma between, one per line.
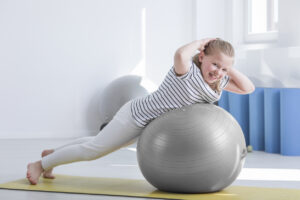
x=195, y=149
x=120, y=91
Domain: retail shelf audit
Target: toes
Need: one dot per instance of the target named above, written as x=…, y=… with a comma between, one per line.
x=33, y=173
x=33, y=182
x=49, y=176
x=28, y=175
x=31, y=179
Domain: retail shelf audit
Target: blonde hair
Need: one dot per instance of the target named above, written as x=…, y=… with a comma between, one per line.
x=215, y=46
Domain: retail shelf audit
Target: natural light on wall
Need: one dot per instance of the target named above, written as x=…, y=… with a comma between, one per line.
x=258, y=17
x=262, y=20
x=140, y=69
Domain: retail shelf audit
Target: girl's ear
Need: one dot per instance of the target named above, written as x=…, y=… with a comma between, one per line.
x=201, y=55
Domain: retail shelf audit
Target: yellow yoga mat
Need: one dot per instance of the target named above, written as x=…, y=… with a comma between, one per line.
x=141, y=188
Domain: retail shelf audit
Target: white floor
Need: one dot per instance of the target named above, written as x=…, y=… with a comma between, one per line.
x=261, y=169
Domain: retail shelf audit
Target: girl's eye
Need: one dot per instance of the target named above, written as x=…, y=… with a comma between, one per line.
x=224, y=70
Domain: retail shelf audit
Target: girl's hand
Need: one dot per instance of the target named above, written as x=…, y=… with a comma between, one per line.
x=239, y=83
x=204, y=42
x=184, y=54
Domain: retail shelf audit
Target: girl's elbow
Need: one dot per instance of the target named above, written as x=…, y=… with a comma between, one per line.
x=249, y=90
x=179, y=55
x=252, y=88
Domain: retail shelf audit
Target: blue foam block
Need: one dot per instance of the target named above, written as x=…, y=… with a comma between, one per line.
x=290, y=121
x=223, y=101
x=256, y=119
x=272, y=120
x=239, y=108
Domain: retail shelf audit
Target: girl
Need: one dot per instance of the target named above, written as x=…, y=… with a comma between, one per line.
x=193, y=79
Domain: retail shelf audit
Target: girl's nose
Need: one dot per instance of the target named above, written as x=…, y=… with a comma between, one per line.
x=218, y=72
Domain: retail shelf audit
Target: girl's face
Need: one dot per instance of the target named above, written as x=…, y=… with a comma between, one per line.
x=214, y=67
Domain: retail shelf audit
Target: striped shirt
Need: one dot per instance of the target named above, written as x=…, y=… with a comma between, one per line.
x=175, y=92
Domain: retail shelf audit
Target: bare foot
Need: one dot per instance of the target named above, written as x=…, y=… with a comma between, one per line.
x=34, y=171
x=48, y=173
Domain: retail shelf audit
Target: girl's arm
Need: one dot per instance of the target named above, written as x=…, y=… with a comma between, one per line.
x=239, y=83
x=184, y=54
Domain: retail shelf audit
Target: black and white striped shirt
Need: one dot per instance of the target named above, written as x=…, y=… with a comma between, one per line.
x=175, y=92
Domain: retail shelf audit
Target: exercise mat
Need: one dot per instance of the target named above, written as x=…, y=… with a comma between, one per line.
x=141, y=188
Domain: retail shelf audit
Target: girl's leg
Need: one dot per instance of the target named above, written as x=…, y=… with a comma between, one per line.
x=48, y=173
x=119, y=132
x=76, y=141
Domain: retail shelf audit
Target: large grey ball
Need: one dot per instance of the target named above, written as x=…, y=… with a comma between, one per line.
x=195, y=149
x=118, y=92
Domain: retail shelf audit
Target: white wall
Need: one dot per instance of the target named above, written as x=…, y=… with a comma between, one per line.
x=56, y=57
x=210, y=18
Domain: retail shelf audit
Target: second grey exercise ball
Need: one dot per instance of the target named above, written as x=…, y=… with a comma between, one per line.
x=120, y=91
x=196, y=149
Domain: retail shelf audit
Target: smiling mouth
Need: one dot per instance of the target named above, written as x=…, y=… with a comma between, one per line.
x=212, y=76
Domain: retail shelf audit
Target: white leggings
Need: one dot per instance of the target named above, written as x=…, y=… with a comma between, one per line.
x=121, y=131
